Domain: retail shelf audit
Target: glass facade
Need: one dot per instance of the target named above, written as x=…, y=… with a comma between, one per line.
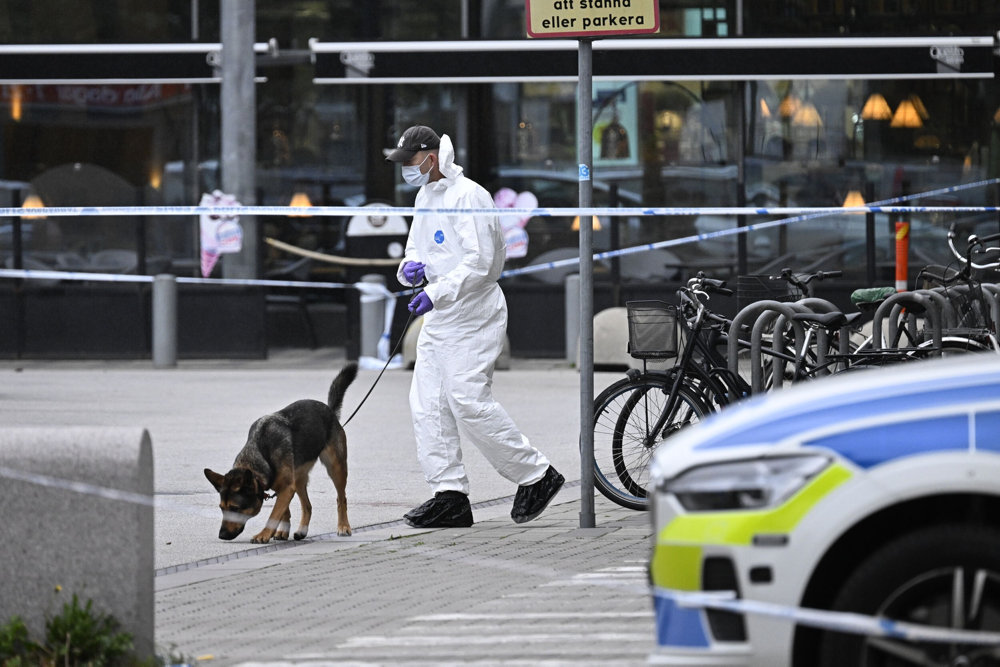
x=795, y=141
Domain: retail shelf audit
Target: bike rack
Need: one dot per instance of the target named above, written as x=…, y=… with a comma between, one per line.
x=914, y=303
x=762, y=312
x=818, y=305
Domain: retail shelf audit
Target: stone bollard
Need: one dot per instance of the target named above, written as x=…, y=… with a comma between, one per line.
x=75, y=537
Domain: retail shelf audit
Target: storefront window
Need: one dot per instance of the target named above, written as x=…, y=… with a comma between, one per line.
x=809, y=143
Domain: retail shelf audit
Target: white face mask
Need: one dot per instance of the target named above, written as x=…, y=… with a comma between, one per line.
x=414, y=176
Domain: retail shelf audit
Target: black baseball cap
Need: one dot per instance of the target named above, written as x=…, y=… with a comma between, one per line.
x=415, y=139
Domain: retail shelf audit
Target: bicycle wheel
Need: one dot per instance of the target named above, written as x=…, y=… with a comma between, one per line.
x=624, y=442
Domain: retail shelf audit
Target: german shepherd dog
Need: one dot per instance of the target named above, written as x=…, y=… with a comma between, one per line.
x=280, y=451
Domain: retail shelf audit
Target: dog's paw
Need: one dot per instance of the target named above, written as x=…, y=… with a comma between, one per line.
x=344, y=531
x=300, y=535
x=263, y=537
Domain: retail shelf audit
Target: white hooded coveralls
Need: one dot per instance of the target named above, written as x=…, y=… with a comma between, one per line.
x=462, y=336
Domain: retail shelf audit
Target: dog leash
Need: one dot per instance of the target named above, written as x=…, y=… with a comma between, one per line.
x=392, y=353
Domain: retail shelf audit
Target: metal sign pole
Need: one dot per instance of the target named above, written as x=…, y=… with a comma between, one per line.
x=561, y=19
x=585, y=149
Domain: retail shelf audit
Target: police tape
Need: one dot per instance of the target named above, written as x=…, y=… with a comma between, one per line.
x=119, y=495
x=824, y=619
x=550, y=212
x=37, y=274
x=884, y=206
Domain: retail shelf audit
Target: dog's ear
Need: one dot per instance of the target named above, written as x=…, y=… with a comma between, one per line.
x=248, y=481
x=215, y=478
x=254, y=486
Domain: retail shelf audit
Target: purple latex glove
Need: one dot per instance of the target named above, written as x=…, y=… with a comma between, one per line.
x=414, y=272
x=420, y=304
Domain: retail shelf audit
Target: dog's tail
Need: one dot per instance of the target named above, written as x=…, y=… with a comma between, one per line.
x=339, y=385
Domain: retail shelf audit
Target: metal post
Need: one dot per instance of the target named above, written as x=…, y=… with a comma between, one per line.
x=870, y=265
x=164, y=321
x=572, y=317
x=239, y=127
x=585, y=150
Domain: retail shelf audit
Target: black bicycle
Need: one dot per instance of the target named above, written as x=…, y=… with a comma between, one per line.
x=636, y=414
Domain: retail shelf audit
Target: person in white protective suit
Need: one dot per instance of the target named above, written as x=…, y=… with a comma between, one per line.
x=456, y=259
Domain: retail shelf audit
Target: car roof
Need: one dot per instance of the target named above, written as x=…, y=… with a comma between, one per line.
x=866, y=416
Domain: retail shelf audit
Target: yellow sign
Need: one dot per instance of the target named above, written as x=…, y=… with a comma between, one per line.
x=592, y=18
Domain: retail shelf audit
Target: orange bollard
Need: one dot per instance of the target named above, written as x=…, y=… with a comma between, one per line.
x=902, y=254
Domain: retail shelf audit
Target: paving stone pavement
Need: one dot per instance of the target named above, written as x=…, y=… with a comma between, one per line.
x=542, y=593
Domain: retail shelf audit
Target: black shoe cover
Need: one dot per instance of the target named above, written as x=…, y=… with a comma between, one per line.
x=447, y=509
x=532, y=500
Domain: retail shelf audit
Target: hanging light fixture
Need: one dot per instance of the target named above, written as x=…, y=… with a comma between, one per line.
x=33, y=201
x=906, y=115
x=16, y=103
x=789, y=106
x=853, y=199
x=807, y=116
x=300, y=200
x=576, y=224
x=918, y=104
x=876, y=108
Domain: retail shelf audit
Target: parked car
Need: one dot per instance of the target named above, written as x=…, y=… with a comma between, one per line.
x=875, y=492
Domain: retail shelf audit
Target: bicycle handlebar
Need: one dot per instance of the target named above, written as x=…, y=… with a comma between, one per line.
x=789, y=276
x=972, y=243
x=701, y=283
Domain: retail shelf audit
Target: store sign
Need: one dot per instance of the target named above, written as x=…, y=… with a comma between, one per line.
x=592, y=18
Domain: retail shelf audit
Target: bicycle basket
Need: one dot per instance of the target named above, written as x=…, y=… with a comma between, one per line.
x=972, y=309
x=753, y=288
x=652, y=330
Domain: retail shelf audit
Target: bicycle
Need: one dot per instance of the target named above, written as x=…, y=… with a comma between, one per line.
x=633, y=416
x=974, y=321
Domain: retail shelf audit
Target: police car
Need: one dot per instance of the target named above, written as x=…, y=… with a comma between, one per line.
x=851, y=521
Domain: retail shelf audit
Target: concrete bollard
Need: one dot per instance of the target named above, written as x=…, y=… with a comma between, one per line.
x=372, y=316
x=572, y=317
x=77, y=538
x=164, y=321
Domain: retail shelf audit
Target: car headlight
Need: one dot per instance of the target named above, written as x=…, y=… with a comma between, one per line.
x=739, y=485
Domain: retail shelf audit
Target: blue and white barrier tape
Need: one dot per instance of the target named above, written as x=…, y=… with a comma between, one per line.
x=567, y=211
x=35, y=274
x=839, y=621
x=875, y=207
x=884, y=206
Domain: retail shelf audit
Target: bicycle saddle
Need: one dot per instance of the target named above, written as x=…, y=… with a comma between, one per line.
x=828, y=321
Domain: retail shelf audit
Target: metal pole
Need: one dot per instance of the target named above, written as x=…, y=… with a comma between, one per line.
x=585, y=150
x=572, y=300
x=164, y=321
x=239, y=127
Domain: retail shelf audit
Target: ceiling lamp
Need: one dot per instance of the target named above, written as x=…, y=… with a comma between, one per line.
x=918, y=104
x=876, y=108
x=807, y=116
x=33, y=201
x=300, y=200
x=906, y=116
x=789, y=106
x=576, y=224
x=853, y=199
